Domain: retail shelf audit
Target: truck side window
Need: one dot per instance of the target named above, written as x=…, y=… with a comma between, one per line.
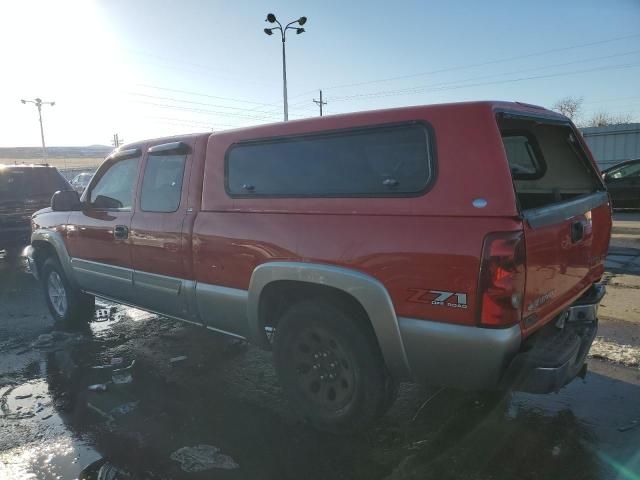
x=114, y=189
x=524, y=160
x=626, y=171
x=162, y=183
x=378, y=161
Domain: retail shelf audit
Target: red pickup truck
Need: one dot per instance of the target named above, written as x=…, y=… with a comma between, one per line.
x=457, y=245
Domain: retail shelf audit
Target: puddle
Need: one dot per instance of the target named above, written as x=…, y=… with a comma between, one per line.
x=47, y=450
x=61, y=457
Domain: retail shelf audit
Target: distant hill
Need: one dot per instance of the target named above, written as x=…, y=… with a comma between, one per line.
x=91, y=151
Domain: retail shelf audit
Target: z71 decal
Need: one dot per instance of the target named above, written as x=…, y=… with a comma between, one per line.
x=438, y=297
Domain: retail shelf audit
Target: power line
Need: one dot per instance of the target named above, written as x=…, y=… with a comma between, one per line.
x=459, y=67
x=502, y=60
x=438, y=88
x=481, y=64
x=199, y=94
x=173, y=99
x=193, y=122
x=446, y=83
x=200, y=110
x=515, y=72
x=502, y=74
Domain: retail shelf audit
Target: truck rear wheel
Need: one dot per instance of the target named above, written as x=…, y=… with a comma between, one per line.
x=329, y=365
x=68, y=306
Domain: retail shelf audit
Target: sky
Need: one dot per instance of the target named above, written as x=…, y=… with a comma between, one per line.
x=149, y=68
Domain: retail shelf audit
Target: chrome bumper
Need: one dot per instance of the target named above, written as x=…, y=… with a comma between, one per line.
x=556, y=355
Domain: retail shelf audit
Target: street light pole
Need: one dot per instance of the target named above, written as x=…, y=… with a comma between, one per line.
x=271, y=18
x=284, y=82
x=38, y=103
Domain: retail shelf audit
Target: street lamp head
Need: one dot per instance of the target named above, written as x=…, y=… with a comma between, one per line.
x=271, y=18
x=53, y=103
x=302, y=20
x=38, y=100
x=268, y=31
x=299, y=30
x=23, y=101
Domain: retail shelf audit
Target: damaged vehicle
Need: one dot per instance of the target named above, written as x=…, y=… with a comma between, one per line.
x=458, y=245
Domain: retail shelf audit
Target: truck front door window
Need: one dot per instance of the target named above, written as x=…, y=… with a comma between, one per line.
x=115, y=187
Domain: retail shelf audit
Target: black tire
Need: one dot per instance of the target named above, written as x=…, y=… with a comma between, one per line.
x=79, y=308
x=330, y=367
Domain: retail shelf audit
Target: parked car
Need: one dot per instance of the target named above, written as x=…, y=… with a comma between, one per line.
x=80, y=181
x=24, y=189
x=456, y=245
x=623, y=183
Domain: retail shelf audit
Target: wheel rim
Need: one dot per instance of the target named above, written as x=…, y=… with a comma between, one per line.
x=325, y=372
x=57, y=294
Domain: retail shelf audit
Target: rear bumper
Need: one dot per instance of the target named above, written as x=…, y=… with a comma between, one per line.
x=458, y=356
x=473, y=358
x=556, y=355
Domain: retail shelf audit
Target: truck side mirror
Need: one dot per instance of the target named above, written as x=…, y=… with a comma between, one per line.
x=65, y=201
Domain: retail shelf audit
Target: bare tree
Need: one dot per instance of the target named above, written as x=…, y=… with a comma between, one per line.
x=569, y=107
x=604, y=119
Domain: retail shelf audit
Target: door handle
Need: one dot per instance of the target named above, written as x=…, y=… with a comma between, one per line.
x=121, y=232
x=577, y=231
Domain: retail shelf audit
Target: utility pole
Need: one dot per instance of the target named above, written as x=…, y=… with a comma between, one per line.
x=116, y=142
x=38, y=103
x=271, y=18
x=320, y=103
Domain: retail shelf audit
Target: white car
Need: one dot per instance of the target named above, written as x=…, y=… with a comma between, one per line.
x=80, y=181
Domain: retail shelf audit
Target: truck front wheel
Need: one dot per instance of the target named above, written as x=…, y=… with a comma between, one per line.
x=68, y=306
x=329, y=365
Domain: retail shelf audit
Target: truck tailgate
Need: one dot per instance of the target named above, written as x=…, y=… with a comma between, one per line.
x=566, y=211
x=564, y=256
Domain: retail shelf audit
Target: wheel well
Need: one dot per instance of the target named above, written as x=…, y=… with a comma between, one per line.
x=277, y=296
x=42, y=251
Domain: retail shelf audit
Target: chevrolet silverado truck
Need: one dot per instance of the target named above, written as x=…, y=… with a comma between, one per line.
x=458, y=245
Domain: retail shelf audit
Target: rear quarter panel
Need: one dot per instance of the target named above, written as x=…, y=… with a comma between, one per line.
x=410, y=255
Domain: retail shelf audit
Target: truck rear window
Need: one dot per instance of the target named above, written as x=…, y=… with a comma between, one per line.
x=370, y=162
x=548, y=164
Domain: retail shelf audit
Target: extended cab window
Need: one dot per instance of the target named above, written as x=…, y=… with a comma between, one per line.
x=114, y=189
x=370, y=162
x=162, y=183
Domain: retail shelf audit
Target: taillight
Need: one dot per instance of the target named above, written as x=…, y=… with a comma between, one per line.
x=502, y=277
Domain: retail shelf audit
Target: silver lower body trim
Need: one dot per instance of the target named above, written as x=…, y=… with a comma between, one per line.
x=458, y=356
x=133, y=305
